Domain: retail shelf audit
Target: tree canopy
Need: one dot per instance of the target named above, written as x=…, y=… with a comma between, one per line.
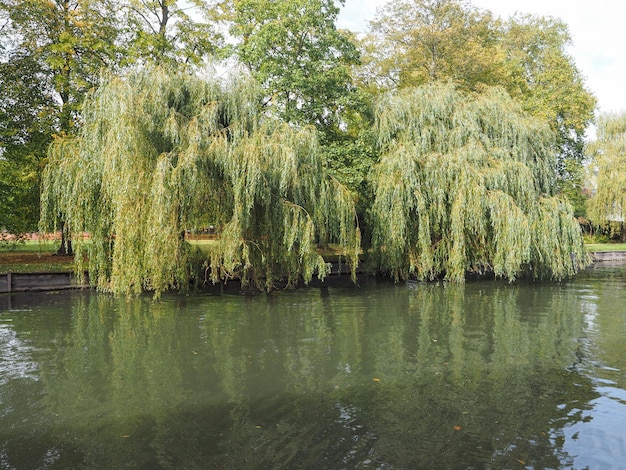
x=466, y=183
x=71, y=41
x=168, y=32
x=161, y=153
x=294, y=50
x=545, y=79
x=421, y=41
x=27, y=115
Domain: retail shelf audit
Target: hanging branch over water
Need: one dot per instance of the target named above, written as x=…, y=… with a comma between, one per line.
x=466, y=183
x=163, y=152
x=607, y=206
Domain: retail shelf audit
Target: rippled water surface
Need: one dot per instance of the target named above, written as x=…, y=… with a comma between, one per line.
x=487, y=375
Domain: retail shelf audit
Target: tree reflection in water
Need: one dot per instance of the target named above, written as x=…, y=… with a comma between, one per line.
x=419, y=376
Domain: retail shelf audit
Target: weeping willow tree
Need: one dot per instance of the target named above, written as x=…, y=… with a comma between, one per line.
x=466, y=183
x=607, y=206
x=160, y=153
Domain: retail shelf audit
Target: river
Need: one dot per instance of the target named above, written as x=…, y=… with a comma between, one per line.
x=485, y=375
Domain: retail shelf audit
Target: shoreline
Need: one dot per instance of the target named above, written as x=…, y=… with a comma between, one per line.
x=51, y=281
x=608, y=256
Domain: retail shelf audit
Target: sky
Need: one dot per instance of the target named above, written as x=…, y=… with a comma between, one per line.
x=596, y=28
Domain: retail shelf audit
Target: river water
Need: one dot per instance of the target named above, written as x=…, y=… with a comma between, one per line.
x=486, y=375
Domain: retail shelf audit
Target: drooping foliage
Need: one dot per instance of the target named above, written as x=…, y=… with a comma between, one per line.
x=161, y=153
x=607, y=206
x=466, y=183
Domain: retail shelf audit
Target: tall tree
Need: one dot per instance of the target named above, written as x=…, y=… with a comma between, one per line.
x=27, y=115
x=294, y=50
x=607, y=206
x=71, y=40
x=161, y=152
x=53, y=52
x=414, y=42
x=304, y=65
x=465, y=183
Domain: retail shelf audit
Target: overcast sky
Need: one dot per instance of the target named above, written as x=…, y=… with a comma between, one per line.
x=597, y=29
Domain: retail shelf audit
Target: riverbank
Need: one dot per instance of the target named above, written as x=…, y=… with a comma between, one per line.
x=32, y=272
x=609, y=257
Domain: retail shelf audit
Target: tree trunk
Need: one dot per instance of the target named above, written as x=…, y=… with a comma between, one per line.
x=66, y=242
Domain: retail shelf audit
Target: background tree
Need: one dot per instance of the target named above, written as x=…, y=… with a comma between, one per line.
x=27, y=115
x=607, y=206
x=304, y=64
x=414, y=42
x=53, y=53
x=466, y=183
x=294, y=50
x=70, y=40
x=161, y=152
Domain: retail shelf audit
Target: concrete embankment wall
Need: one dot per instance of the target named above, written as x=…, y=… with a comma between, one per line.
x=24, y=282
x=609, y=257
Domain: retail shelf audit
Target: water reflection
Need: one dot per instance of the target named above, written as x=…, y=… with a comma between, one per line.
x=422, y=376
x=597, y=439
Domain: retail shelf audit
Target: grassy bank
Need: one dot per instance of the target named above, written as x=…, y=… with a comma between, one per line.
x=605, y=247
x=33, y=257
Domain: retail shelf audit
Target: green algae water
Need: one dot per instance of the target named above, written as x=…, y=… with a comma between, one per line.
x=486, y=375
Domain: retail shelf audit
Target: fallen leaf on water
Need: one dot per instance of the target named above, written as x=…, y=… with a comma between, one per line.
x=458, y=428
